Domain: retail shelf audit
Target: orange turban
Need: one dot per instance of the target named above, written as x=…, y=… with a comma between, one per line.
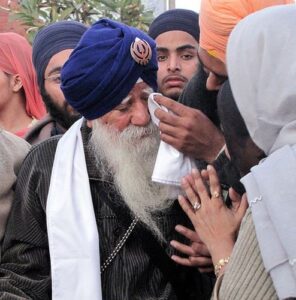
x=16, y=58
x=217, y=18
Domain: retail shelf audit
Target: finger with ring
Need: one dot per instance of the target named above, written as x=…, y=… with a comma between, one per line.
x=216, y=194
x=196, y=205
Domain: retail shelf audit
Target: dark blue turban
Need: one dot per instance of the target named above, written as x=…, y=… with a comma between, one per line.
x=175, y=19
x=101, y=71
x=52, y=39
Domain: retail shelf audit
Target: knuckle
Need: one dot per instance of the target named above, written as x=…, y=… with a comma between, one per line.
x=161, y=126
x=196, y=248
x=187, y=124
x=193, y=260
x=196, y=114
x=179, y=146
x=158, y=113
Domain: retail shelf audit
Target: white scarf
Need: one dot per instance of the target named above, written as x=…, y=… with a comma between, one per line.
x=71, y=224
x=261, y=66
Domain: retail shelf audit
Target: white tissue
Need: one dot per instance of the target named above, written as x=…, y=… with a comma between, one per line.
x=171, y=165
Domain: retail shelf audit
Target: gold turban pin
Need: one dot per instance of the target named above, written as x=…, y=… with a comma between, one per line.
x=141, y=51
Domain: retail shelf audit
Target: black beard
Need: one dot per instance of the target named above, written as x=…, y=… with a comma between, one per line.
x=196, y=95
x=59, y=114
x=174, y=96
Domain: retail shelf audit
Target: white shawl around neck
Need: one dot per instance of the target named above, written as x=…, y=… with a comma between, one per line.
x=71, y=224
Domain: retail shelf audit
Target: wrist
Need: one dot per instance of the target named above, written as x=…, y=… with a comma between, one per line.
x=220, y=266
x=221, y=249
x=217, y=147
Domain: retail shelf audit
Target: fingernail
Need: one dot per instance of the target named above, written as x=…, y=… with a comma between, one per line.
x=195, y=172
x=183, y=181
x=173, y=243
x=178, y=228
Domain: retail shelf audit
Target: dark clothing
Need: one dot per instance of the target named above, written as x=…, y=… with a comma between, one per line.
x=228, y=174
x=44, y=129
x=133, y=274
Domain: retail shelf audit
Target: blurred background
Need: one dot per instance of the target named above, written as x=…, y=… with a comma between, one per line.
x=193, y=5
x=26, y=17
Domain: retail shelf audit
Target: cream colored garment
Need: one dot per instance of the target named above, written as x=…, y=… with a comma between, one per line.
x=263, y=85
x=12, y=152
x=245, y=277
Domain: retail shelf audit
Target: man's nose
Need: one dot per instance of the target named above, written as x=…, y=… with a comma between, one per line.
x=174, y=63
x=141, y=116
x=213, y=82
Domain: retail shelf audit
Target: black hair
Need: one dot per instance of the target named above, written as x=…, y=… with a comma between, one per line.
x=232, y=122
x=59, y=114
x=236, y=135
x=197, y=96
x=243, y=151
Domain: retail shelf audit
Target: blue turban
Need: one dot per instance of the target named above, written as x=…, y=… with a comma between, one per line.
x=175, y=19
x=101, y=71
x=52, y=39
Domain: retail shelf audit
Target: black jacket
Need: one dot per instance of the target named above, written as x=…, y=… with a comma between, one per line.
x=135, y=273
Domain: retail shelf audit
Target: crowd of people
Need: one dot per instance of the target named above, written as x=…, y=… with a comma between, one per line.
x=153, y=165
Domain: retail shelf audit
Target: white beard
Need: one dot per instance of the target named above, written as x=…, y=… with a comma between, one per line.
x=129, y=157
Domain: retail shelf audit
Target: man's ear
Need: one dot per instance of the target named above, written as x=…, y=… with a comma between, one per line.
x=16, y=83
x=89, y=123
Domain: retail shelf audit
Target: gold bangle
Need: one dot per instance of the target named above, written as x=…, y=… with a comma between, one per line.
x=221, y=263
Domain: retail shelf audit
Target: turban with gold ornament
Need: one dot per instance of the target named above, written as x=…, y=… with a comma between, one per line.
x=105, y=65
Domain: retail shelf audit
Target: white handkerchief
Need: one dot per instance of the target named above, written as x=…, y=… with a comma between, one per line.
x=171, y=165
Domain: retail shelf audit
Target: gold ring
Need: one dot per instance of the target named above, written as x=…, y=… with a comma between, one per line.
x=216, y=194
x=196, y=205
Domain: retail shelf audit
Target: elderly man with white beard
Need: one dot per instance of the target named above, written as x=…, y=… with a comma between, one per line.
x=87, y=221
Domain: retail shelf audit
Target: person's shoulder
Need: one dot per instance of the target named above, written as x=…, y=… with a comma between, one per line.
x=45, y=146
x=10, y=140
x=13, y=149
x=42, y=154
x=40, y=131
